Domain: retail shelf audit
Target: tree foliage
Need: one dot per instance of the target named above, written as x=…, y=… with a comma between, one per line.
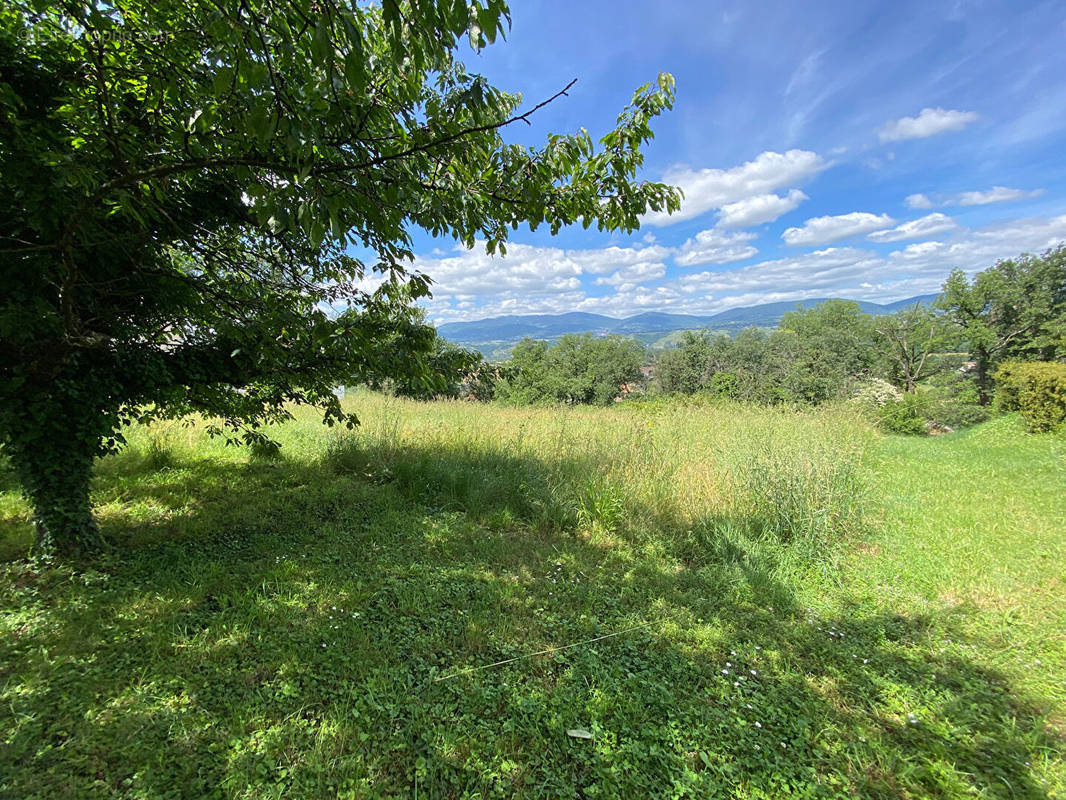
x=576, y=369
x=1016, y=309
x=180, y=185
x=910, y=339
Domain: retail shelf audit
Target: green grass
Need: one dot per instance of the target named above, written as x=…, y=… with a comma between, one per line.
x=888, y=612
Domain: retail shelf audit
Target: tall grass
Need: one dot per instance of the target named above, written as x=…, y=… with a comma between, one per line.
x=673, y=475
x=650, y=472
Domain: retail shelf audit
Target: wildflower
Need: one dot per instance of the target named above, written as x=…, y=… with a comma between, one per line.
x=725, y=672
x=753, y=672
x=758, y=724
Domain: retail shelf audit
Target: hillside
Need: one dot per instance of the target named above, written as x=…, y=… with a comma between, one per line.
x=495, y=336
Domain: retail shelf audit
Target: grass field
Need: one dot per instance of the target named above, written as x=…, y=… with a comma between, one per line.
x=790, y=605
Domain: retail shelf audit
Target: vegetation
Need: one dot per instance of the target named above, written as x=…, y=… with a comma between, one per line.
x=1037, y=390
x=1013, y=310
x=179, y=182
x=576, y=369
x=799, y=607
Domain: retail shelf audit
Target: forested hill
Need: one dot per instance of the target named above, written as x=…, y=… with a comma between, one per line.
x=499, y=333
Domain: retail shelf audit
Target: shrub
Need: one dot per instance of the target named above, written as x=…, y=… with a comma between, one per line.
x=906, y=415
x=871, y=395
x=954, y=401
x=1037, y=390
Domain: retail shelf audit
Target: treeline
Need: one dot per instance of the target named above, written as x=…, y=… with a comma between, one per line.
x=919, y=367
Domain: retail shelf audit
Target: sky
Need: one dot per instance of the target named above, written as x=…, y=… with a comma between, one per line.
x=849, y=149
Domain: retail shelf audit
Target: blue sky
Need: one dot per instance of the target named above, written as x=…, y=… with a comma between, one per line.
x=851, y=149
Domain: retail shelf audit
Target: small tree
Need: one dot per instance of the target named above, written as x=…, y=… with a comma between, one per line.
x=180, y=181
x=683, y=369
x=835, y=342
x=909, y=338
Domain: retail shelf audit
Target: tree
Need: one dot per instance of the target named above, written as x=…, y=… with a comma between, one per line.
x=434, y=368
x=180, y=181
x=683, y=369
x=579, y=368
x=1015, y=309
x=836, y=346
x=910, y=337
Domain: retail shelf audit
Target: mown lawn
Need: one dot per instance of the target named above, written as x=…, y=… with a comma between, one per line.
x=802, y=608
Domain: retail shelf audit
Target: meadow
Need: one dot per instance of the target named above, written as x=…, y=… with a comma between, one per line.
x=689, y=600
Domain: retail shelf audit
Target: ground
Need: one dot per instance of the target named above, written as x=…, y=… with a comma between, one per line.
x=794, y=605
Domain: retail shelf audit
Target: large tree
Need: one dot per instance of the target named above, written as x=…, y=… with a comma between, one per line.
x=1014, y=309
x=181, y=182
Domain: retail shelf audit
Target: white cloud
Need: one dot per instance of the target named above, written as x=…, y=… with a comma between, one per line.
x=929, y=122
x=816, y=271
x=630, y=276
x=822, y=230
x=997, y=194
x=706, y=189
x=929, y=225
x=531, y=269
x=758, y=209
x=715, y=246
x=472, y=286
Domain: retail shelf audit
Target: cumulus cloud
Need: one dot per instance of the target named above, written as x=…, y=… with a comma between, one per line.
x=758, y=209
x=629, y=276
x=822, y=230
x=918, y=201
x=531, y=269
x=715, y=246
x=929, y=225
x=470, y=285
x=929, y=122
x=707, y=189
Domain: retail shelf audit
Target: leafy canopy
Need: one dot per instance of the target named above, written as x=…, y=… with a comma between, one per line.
x=180, y=185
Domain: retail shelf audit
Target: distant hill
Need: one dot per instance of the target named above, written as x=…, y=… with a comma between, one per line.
x=494, y=337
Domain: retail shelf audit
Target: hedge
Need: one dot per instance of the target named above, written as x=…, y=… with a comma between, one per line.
x=1037, y=389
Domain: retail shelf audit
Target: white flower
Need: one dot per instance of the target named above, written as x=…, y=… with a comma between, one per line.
x=758, y=724
x=725, y=672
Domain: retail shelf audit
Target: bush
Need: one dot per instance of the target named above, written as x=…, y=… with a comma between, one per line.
x=954, y=401
x=1036, y=389
x=906, y=415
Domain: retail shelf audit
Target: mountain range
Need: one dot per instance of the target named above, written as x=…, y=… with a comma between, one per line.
x=495, y=336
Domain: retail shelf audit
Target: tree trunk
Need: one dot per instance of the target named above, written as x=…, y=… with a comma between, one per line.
x=984, y=380
x=58, y=489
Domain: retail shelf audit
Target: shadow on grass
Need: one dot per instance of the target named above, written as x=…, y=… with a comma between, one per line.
x=285, y=629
